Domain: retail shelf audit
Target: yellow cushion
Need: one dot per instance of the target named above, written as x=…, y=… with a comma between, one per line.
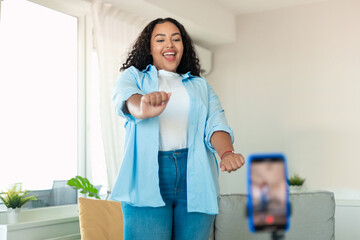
x=100, y=219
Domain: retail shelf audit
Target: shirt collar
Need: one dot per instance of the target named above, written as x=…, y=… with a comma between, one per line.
x=187, y=75
x=150, y=68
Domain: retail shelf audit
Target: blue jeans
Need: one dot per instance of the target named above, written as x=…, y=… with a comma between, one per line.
x=172, y=221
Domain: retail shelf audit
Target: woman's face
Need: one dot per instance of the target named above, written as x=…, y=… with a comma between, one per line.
x=166, y=46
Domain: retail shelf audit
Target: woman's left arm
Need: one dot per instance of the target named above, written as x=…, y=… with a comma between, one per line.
x=218, y=135
x=230, y=161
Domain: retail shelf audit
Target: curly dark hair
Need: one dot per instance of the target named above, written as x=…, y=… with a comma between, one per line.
x=140, y=56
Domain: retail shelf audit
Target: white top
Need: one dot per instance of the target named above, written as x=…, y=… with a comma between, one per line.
x=174, y=119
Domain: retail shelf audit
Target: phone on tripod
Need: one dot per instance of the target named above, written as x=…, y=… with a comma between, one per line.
x=268, y=204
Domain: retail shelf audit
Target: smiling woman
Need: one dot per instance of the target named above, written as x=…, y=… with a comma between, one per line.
x=38, y=95
x=175, y=124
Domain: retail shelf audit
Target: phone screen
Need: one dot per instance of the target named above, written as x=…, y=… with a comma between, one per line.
x=268, y=193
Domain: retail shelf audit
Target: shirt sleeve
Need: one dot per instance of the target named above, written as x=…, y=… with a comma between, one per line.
x=215, y=120
x=125, y=87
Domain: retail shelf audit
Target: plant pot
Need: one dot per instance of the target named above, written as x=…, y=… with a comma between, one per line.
x=295, y=189
x=13, y=215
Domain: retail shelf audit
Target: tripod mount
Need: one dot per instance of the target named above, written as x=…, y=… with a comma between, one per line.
x=277, y=235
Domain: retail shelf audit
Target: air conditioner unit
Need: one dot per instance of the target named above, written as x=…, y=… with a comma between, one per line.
x=205, y=57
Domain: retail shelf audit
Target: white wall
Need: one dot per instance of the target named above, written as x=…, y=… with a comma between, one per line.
x=291, y=83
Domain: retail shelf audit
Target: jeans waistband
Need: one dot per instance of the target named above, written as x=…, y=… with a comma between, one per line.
x=173, y=152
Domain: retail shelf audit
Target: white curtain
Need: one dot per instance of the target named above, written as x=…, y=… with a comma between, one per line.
x=114, y=32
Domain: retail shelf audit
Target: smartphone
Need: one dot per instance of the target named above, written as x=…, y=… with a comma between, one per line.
x=268, y=203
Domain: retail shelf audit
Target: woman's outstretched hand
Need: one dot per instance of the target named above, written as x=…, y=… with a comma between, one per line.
x=153, y=104
x=231, y=162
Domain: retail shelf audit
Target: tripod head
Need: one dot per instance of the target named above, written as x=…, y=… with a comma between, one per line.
x=277, y=235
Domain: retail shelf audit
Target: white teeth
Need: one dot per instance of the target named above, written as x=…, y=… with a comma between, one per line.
x=168, y=54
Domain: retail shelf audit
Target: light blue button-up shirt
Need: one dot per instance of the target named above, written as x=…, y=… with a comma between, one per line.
x=138, y=180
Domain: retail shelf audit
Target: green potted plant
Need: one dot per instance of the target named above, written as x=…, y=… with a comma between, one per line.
x=14, y=199
x=296, y=182
x=83, y=184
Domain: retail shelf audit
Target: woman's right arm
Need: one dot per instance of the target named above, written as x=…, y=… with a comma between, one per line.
x=132, y=103
x=148, y=105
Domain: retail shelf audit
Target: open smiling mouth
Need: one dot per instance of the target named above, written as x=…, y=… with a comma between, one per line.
x=170, y=56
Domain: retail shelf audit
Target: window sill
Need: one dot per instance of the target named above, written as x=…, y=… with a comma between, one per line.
x=46, y=223
x=347, y=203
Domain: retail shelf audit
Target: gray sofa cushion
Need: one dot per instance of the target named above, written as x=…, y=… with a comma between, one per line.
x=312, y=218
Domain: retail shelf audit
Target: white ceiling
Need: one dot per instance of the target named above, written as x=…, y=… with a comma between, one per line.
x=252, y=6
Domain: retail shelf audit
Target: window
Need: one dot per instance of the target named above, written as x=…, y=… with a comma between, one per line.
x=43, y=131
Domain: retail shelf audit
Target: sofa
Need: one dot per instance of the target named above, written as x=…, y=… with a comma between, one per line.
x=312, y=218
